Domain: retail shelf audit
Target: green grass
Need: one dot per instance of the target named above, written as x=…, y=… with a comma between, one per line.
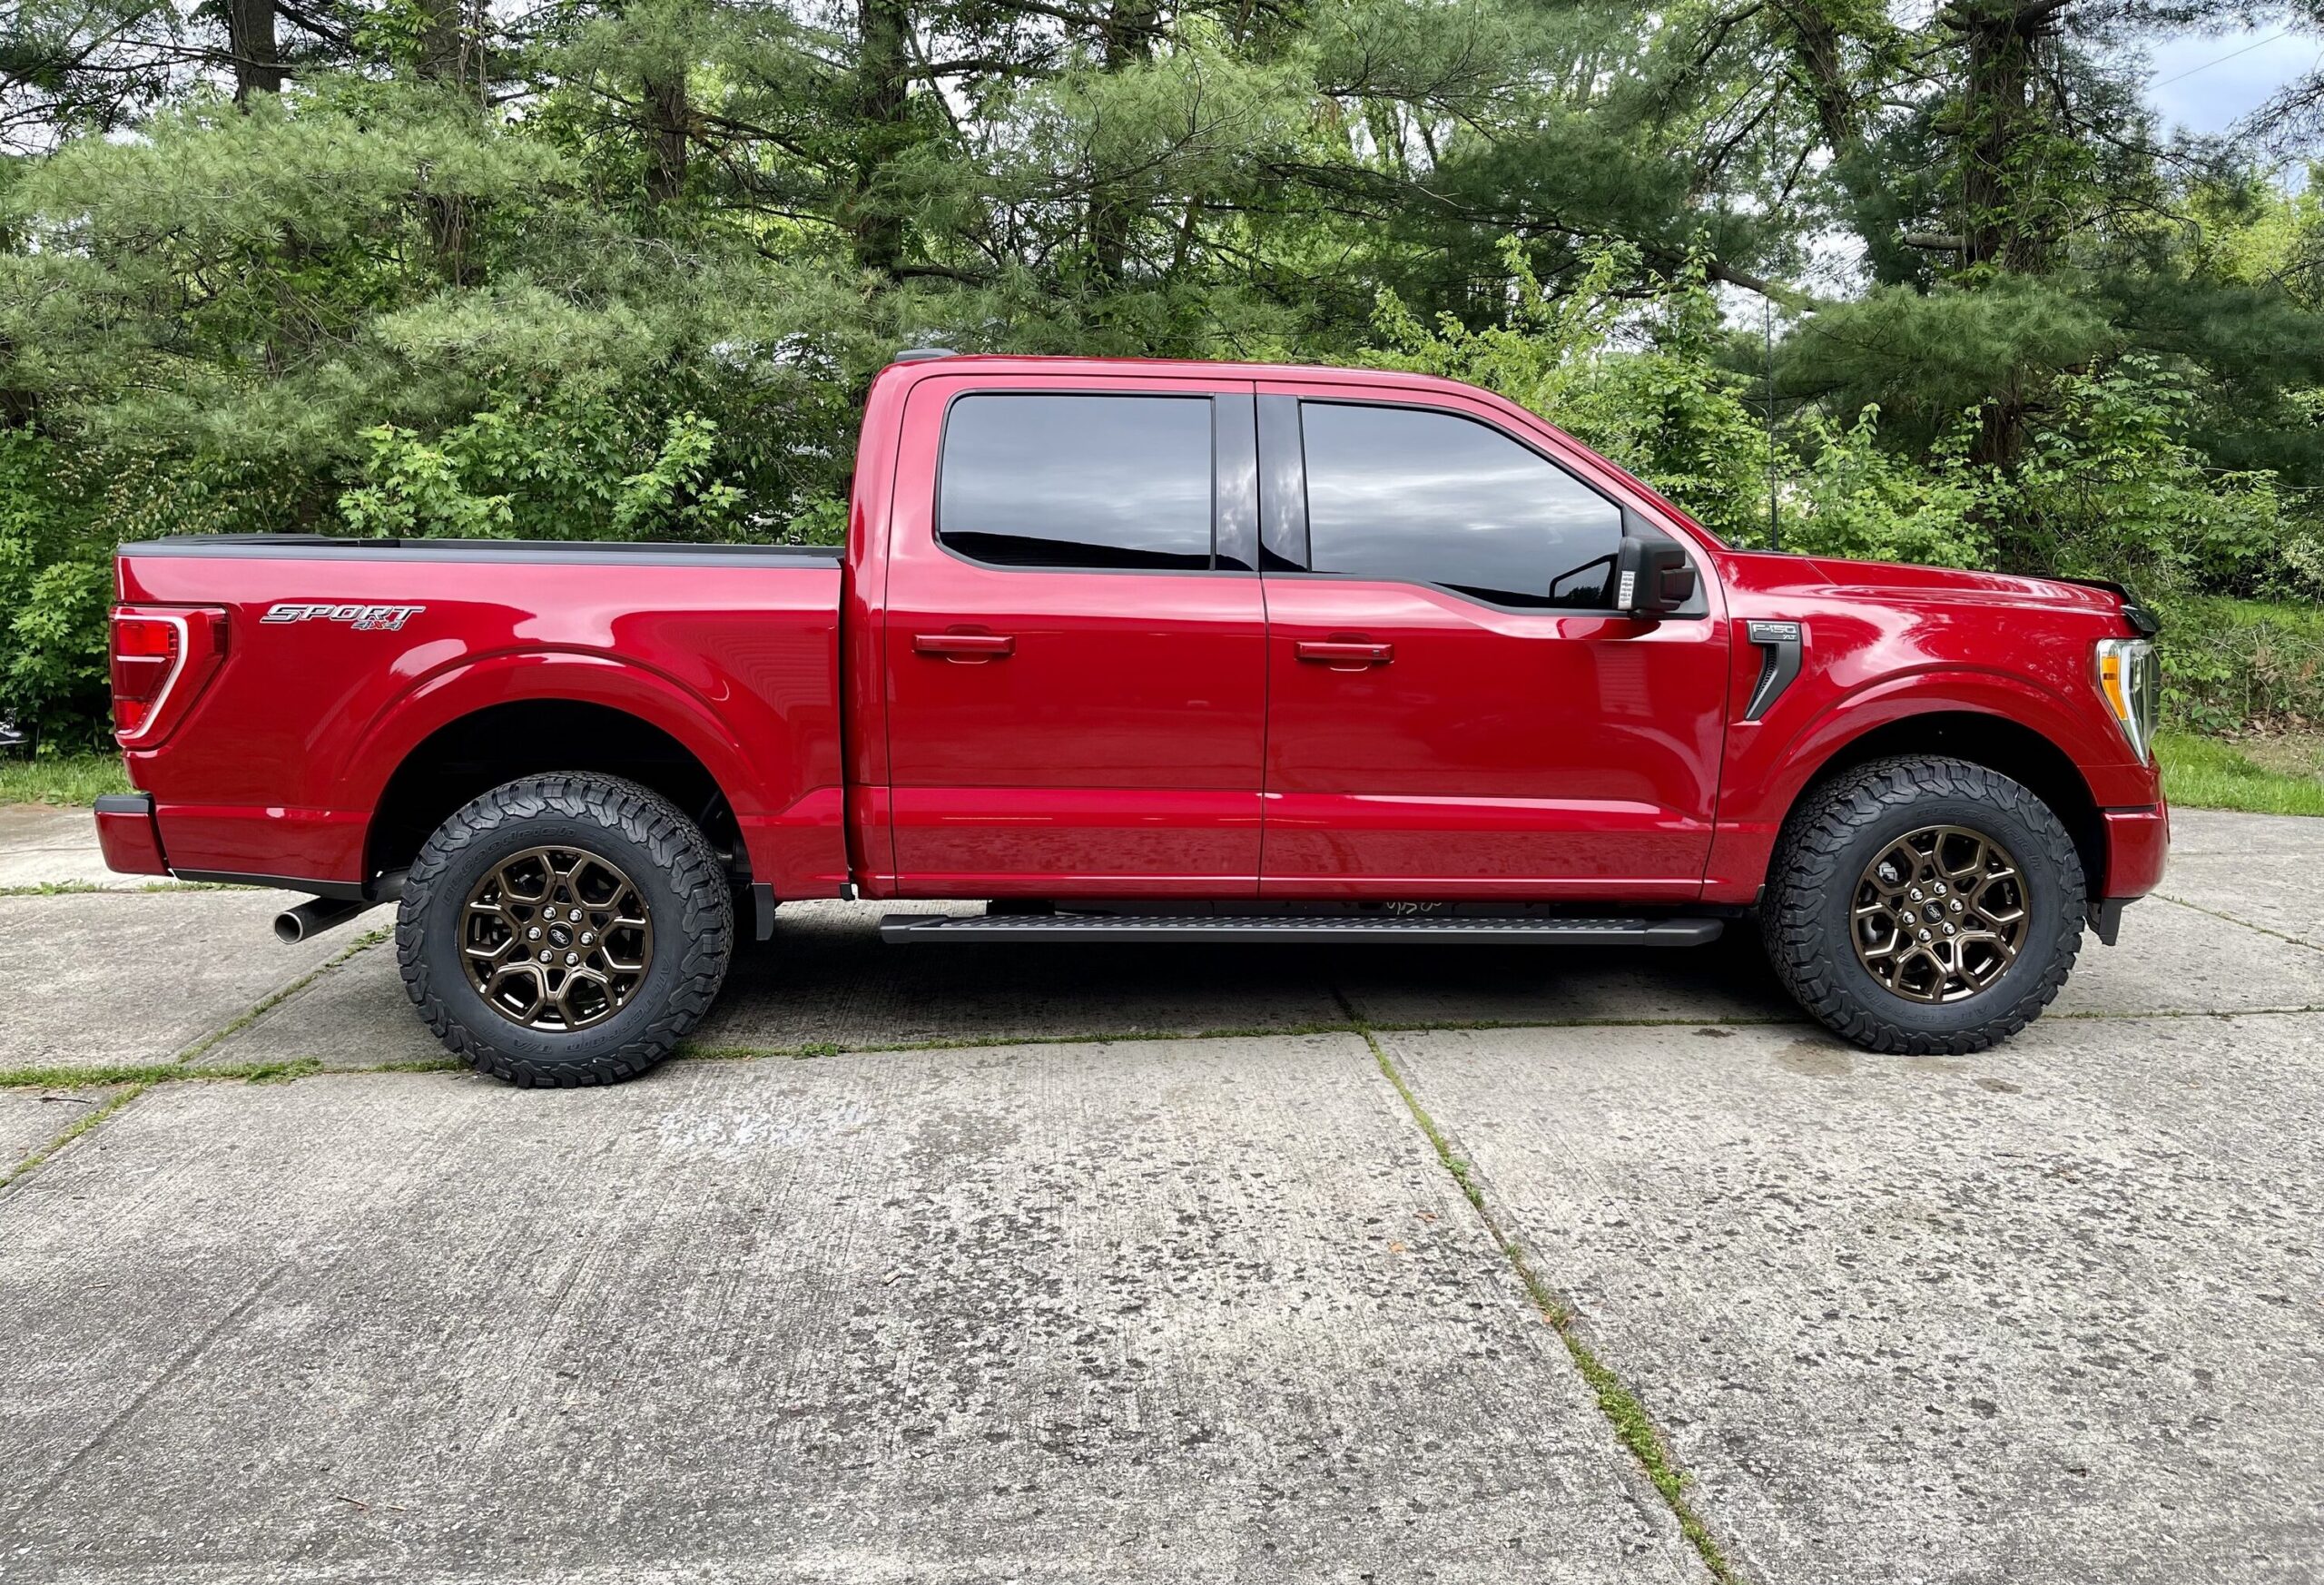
x=2208, y=772
x=62, y=778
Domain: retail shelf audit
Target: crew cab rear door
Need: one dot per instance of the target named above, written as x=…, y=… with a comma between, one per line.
x=1456, y=709
x=1075, y=642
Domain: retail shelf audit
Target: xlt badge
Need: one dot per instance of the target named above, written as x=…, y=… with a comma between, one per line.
x=361, y=618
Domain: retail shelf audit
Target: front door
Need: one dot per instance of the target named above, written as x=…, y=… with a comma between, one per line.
x=1074, y=641
x=1456, y=709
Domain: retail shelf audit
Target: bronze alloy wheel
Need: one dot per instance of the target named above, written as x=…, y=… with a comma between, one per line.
x=1940, y=914
x=557, y=938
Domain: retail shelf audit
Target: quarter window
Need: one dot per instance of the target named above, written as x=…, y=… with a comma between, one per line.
x=1416, y=497
x=1078, y=481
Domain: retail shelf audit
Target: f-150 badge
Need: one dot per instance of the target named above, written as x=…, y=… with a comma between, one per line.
x=361, y=618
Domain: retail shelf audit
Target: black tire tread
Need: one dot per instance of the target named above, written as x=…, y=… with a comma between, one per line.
x=705, y=925
x=1807, y=867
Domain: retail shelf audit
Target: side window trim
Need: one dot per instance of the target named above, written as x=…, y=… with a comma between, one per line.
x=1282, y=464
x=1234, y=484
x=1234, y=509
x=1283, y=487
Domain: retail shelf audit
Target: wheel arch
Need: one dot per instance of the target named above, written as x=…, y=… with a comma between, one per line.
x=494, y=744
x=1997, y=743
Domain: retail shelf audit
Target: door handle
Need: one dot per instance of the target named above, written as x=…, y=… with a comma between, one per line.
x=965, y=645
x=1345, y=654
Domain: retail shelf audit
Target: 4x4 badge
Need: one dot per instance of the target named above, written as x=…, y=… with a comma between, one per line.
x=361, y=618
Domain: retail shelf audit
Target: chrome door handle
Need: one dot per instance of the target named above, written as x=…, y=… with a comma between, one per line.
x=1338, y=653
x=965, y=645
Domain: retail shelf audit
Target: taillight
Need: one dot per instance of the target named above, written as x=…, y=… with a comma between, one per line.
x=161, y=659
x=146, y=651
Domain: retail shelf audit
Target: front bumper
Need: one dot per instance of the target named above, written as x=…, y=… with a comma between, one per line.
x=2138, y=844
x=2138, y=841
x=126, y=833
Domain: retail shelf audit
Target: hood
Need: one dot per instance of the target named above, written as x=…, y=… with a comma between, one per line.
x=1892, y=581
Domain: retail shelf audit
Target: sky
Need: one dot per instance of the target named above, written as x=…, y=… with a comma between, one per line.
x=2207, y=82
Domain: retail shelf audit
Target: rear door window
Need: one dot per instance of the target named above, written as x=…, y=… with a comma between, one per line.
x=1414, y=496
x=1066, y=480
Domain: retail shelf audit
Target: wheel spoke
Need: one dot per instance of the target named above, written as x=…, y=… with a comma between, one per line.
x=1940, y=913
x=557, y=938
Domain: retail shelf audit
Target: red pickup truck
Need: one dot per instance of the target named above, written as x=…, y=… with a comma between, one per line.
x=1150, y=652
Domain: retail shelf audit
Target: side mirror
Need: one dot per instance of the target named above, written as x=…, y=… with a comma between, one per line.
x=1653, y=577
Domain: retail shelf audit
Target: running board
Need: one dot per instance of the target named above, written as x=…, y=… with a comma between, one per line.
x=1451, y=929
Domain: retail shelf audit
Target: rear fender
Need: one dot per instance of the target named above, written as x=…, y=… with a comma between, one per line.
x=463, y=688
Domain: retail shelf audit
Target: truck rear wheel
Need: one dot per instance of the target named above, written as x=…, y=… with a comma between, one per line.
x=1924, y=905
x=564, y=930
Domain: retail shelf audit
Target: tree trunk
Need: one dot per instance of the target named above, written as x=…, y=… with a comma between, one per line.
x=451, y=44
x=1127, y=40
x=2004, y=221
x=667, y=116
x=2001, y=220
x=258, y=63
x=451, y=53
x=883, y=129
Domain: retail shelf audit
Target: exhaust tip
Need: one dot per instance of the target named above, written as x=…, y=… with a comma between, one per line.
x=294, y=925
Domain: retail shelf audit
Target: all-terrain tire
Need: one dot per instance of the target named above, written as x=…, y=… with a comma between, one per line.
x=1806, y=917
x=665, y=856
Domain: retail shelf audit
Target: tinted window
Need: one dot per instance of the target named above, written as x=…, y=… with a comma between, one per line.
x=1097, y=481
x=1432, y=498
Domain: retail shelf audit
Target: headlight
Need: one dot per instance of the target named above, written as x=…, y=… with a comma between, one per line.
x=2132, y=681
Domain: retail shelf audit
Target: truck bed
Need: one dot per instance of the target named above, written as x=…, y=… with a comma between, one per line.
x=340, y=657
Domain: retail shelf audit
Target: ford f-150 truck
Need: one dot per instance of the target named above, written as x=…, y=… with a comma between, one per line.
x=1152, y=651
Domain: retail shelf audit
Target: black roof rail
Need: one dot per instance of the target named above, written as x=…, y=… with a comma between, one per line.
x=922, y=354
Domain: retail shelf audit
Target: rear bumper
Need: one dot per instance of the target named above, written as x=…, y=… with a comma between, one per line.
x=131, y=842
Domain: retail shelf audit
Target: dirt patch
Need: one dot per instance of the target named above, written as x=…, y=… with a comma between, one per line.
x=2288, y=753
x=1816, y=1059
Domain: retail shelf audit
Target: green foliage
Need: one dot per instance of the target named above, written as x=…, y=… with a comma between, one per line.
x=575, y=471
x=55, y=587
x=2111, y=488
x=2232, y=664
x=1631, y=376
x=1851, y=498
x=605, y=270
x=417, y=488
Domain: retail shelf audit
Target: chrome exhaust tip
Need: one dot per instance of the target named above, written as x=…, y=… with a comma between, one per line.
x=294, y=925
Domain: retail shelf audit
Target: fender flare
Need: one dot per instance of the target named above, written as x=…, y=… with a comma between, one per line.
x=478, y=683
x=1948, y=691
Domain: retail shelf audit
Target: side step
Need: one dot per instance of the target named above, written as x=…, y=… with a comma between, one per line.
x=1451, y=929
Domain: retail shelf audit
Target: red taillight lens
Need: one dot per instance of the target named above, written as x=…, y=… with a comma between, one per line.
x=161, y=659
x=146, y=651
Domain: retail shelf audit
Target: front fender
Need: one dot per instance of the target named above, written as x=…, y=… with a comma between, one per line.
x=1770, y=762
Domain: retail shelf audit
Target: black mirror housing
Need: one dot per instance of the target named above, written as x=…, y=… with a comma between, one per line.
x=1653, y=577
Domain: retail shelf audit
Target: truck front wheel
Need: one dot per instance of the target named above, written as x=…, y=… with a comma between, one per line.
x=564, y=930
x=1924, y=905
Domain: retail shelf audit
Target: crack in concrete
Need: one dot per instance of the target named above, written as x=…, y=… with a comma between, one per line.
x=87, y=1123
x=276, y=998
x=1633, y=1425
x=2247, y=924
x=177, y=1069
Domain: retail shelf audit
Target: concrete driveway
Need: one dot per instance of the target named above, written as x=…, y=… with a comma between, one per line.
x=984, y=1263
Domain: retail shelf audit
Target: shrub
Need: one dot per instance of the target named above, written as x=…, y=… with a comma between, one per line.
x=2231, y=665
